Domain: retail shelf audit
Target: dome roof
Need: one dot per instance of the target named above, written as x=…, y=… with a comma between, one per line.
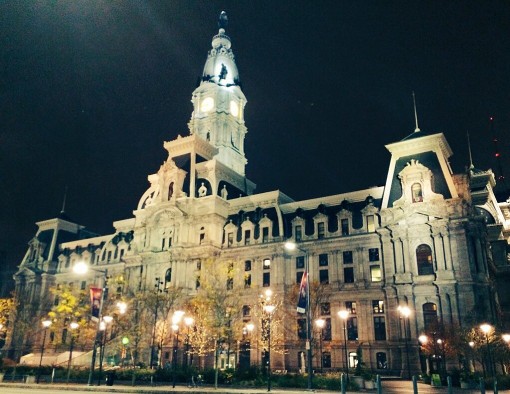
x=220, y=66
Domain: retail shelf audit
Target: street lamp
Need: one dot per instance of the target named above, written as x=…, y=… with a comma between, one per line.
x=81, y=268
x=320, y=323
x=344, y=315
x=269, y=309
x=405, y=312
x=46, y=324
x=486, y=329
x=291, y=246
x=73, y=326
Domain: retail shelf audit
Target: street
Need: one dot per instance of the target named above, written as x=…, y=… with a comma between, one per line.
x=388, y=387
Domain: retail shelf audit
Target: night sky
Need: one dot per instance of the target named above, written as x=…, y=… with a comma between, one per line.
x=90, y=90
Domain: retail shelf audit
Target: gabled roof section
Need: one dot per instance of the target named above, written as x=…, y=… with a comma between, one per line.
x=432, y=151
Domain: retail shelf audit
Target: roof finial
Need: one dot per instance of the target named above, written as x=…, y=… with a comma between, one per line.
x=471, y=166
x=223, y=20
x=417, y=129
x=64, y=202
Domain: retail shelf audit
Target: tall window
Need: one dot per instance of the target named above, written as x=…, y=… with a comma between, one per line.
x=352, y=328
x=323, y=260
x=351, y=307
x=247, y=237
x=326, y=359
x=324, y=276
x=230, y=239
x=381, y=360
x=300, y=262
x=266, y=279
x=301, y=328
x=347, y=255
x=265, y=234
x=430, y=316
x=298, y=233
x=349, y=275
x=168, y=278
x=345, y=226
x=370, y=223
x=247, y=265
x=379, y=328
x=247, y=281
x=321, y=230
x=424, y=260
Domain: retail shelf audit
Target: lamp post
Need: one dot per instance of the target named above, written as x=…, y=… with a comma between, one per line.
x=293, y=246
x=103, y=326
x=269, y=309
x=320, y=323
x=405, y=312
x=423, y=339
x=46, y=324
x=81, y=268
x=176, y=319
x=188, y=321
x=249, y=329
x=153, y=340
x=73, y=326
x=344, y=315
x=486, y=329
x=441, y=343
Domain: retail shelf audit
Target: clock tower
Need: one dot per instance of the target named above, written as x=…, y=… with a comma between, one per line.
x=218, y=103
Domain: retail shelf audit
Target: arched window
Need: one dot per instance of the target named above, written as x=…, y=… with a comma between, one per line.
x=416, y=192
x=424, y=260
x=430, y=321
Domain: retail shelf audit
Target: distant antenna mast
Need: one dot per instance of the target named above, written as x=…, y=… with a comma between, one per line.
x=417, y=129
x=64, y=202
x=471, y=166
x=497, y=154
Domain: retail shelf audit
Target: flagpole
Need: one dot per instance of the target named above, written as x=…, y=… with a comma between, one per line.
x=308, y=322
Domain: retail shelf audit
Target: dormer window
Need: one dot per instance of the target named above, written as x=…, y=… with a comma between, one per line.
x=298, y=233
x=345, y=226
x=230, y=239
x=416, y=192
x=370, y=223
x=321, y=230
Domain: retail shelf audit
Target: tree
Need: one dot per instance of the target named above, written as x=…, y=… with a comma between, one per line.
x=6, y=306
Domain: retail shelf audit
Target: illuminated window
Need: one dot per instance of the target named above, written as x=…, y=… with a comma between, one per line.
x=375, y=273
x=424, y=260
x=370, y=223
x=351, y=307
x=378, y=306
x=266, y=263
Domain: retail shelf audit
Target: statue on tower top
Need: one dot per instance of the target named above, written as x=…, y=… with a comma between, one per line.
x=223, y=20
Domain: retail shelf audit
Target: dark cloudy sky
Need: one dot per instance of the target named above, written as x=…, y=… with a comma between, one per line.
x=89, y=90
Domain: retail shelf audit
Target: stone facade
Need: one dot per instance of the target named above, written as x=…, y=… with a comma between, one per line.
x=429, y=238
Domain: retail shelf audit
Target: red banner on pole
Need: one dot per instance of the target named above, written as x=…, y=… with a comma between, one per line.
x=95, y=301
x=303, y=293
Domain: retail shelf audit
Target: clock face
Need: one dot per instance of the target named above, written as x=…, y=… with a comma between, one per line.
x=207, y=104
x=234, y=108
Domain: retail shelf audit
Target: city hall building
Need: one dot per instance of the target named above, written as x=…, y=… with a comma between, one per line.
x=429, y=238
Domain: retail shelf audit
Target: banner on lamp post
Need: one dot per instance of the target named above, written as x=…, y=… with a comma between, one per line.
x=95, y=301
x=303, y=293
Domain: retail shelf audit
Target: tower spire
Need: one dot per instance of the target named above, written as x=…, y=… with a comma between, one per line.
x=417, y=129
x=64, y=202
x=471, y=166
